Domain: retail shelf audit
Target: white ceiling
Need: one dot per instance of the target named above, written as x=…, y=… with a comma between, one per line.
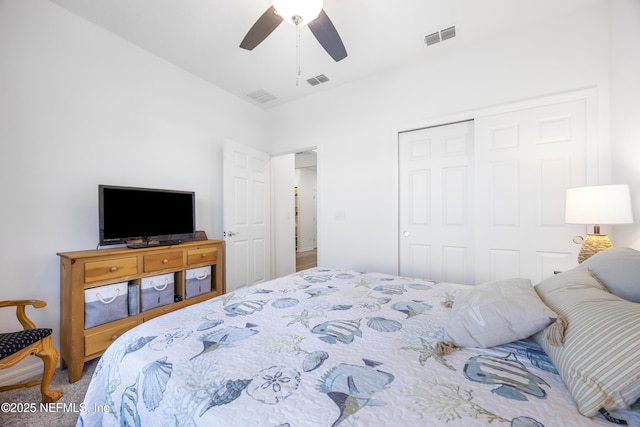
x=203, y=36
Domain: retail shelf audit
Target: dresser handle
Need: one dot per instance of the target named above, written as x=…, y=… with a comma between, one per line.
x=203, y=255
x=164, y=261
x=112, y=269
x=113, y=338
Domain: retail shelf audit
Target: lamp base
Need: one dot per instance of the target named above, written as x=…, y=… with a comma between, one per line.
x=593, y=244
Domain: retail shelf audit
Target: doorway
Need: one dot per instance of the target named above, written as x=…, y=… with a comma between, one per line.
x=305, y=205
x=294, y=207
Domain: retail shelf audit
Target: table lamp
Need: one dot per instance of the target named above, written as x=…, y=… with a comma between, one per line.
x=598, y=204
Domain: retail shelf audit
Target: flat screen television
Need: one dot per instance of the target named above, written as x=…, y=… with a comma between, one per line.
x=143, y=217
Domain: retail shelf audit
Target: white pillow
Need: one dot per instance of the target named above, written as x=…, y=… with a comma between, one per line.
x=497, y=313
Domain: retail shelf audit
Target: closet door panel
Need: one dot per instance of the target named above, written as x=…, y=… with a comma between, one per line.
x=436, y=219
x=524, y=162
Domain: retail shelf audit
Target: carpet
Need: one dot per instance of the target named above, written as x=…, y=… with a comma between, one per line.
x=26, y=411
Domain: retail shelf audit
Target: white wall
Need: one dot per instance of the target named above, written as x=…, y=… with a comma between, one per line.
x=81, y=107
x=625, y=110
x=354, y=125
x=306, y=181
x=283, y=251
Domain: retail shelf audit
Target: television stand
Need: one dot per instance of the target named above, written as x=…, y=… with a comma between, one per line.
x=82, y=270
x=153, y=244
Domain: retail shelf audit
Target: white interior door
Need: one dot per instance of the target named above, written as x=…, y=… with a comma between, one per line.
x=436, y=203
x=525, y=160
x=246, y=182
x=484, y=200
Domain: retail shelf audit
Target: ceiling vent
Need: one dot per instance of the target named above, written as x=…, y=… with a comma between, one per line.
x=448, y=33
x=315, y=81
x=437, y=37
x=432, y=39
x=262, y=96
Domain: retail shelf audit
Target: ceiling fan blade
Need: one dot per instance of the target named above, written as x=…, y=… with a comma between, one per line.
x=323, y=29
x=261, y=29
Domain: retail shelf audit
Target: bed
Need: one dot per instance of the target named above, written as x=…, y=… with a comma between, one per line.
x=325, y=347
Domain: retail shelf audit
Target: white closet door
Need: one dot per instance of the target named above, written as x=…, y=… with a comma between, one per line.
x=436, y=203
x=524, y=162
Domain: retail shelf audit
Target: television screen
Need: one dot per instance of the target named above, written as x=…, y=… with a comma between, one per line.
x=143, y=215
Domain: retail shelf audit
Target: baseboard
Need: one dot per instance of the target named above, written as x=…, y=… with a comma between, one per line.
x=305, y=249
x=21, y=374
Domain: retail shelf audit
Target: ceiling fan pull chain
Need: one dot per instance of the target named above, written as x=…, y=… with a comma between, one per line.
x=298, y=54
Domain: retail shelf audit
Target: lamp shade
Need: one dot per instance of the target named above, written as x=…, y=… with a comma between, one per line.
x=298, y=12
x=599, y=204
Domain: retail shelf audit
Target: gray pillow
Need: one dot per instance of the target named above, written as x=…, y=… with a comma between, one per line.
x=497, y=313
x=619, y=270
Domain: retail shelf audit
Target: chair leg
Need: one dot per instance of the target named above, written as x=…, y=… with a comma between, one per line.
x=49, y=356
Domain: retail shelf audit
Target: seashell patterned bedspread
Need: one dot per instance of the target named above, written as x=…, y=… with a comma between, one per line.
x=323, y=347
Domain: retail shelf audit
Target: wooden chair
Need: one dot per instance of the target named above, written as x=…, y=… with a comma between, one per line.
x=15, y=346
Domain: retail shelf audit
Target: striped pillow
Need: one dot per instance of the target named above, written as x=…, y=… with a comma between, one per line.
x=600, y=359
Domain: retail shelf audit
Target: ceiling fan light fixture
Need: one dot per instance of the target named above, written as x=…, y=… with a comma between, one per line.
x=298, y=12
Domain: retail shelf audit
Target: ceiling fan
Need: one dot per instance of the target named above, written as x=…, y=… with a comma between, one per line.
x=298, y=13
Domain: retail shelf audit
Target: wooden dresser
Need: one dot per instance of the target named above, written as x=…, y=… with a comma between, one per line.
x=92, y=268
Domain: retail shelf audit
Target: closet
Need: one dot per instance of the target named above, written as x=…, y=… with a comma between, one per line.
x=483, y=199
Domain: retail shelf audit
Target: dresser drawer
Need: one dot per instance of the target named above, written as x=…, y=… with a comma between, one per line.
x=153, y=313
x=99, y=341
x=202, y=255
x=155, y=262
x=110, y=269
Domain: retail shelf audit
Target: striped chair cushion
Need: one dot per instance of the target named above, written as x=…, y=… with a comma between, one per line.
x=600, y=359
x=13, y=342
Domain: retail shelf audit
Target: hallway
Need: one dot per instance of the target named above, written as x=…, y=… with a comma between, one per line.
x=307, y=259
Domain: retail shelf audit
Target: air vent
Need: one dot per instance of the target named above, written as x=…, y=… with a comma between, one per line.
x=432, y=39
x=437, y=37
x=262, y=96
x=448, y=33
x=315, y=81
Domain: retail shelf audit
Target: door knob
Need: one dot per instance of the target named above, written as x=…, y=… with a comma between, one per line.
x=231, y=233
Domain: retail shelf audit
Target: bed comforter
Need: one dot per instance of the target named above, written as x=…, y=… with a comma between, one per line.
x=323, y=347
